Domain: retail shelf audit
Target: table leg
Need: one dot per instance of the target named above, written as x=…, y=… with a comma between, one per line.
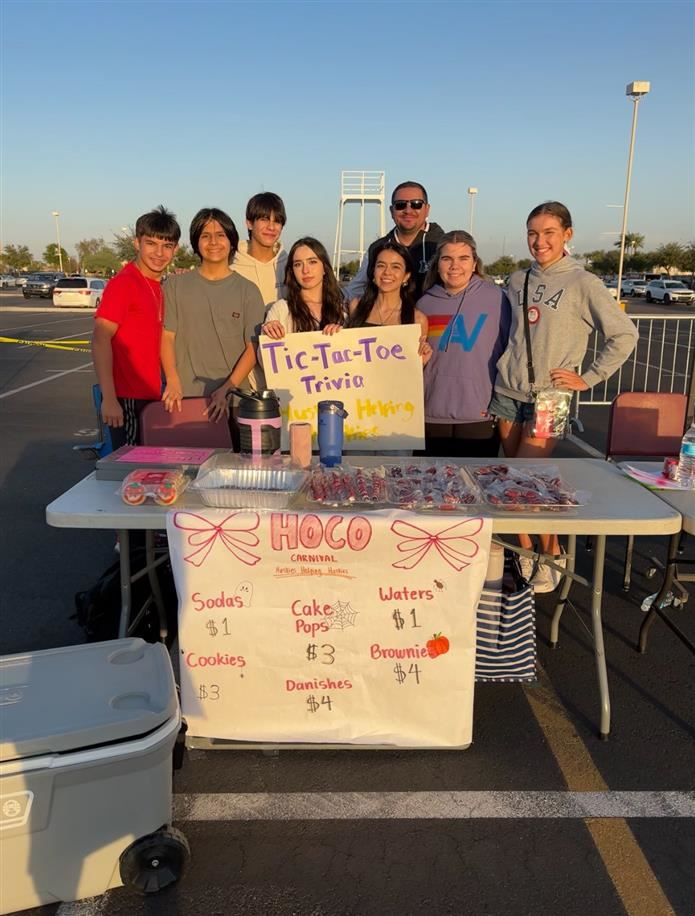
x=666, y=586
x=564, y=590
x=153, y=579
x=124, y=544
x=597, y=623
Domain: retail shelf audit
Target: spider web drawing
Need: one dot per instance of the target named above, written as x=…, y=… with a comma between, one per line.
x=343, y=615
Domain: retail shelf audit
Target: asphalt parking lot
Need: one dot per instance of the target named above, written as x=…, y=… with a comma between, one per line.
x=537, y=816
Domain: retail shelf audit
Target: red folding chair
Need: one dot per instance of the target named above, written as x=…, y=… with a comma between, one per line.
x=644, y=424
x=188, y=427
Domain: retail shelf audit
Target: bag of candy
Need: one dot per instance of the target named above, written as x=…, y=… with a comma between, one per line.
x=551, y=414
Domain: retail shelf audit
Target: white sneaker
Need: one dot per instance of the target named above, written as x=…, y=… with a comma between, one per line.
x=555, y=574
x=527, y=566
x=547, y=579
x=543, y=581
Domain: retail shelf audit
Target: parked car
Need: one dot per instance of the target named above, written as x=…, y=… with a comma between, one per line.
x=667, y=291
x=633, y=288
x=612, y=287
x=7, y=281
x=21, y=280
x=85, y=292
x=41, y=284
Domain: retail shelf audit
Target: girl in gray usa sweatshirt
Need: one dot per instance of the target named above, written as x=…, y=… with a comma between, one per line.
x=565, y=304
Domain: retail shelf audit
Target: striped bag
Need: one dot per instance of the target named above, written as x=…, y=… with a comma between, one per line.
x=506, y=630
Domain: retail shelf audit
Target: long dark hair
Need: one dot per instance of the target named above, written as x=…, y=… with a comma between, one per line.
x=359, y=317
x=332, y=308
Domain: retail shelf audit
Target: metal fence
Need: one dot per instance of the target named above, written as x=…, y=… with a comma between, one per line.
x=661, y=361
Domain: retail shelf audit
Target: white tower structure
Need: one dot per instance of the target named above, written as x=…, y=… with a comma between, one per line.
x=471, y=196
x=358, y=188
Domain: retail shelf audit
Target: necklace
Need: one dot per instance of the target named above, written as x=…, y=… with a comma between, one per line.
x=450, y=325
x=156, y=297
x=313, y=307
x=384, y=319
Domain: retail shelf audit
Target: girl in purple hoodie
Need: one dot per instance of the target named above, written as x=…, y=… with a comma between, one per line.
x=468, y=320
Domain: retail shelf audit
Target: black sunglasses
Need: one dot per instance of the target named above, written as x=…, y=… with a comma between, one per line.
x=417, y=204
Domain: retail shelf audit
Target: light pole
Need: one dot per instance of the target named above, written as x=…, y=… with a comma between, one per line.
x=471, y=194
x=60, y=253
x=635, y=91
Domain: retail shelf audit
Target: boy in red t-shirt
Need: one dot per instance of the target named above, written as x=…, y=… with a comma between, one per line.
x=128, y=328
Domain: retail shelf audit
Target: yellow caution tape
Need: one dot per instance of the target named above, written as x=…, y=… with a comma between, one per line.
x=47, y=344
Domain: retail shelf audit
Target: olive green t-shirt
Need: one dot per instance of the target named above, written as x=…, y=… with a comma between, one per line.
x=213, y=321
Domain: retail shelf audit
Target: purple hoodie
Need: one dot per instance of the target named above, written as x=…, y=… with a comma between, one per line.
x=468, y=333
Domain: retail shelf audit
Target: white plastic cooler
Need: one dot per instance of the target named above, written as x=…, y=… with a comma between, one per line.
x=86, y=740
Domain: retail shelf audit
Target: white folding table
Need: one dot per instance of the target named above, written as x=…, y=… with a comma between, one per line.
x=616, y=506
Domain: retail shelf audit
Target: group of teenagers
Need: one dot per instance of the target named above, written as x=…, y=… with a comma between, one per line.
x=485, y=350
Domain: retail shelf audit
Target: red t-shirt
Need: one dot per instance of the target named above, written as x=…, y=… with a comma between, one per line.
x=135, y=304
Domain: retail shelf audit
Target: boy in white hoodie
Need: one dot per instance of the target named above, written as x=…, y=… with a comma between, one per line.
x=262, y=259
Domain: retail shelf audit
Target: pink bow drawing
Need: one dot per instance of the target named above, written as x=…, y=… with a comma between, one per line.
x=455, y=544
x=235, y=531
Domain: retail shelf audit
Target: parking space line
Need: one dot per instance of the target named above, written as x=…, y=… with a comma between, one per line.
x=8, y=394
x=91, y=906
x=441, y=805
x=625, y=863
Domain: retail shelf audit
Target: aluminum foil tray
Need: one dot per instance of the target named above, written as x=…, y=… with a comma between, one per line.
x=247, y=487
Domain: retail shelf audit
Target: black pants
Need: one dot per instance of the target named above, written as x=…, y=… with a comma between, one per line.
x=462, y=440
x=129, y=433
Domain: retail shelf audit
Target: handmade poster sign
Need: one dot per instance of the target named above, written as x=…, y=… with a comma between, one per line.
x=375, y=372
x=328, y=627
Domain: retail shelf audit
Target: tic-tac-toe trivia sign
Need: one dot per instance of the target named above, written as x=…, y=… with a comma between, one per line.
x=328, y=627
x=375, y=372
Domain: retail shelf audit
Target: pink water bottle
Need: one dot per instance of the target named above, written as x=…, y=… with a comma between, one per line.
x=258, y=417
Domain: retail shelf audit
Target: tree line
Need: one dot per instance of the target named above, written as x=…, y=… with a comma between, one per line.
x=669, y=257
x=92, y=256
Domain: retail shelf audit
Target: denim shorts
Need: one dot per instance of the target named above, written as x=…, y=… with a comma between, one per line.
x=510, y=409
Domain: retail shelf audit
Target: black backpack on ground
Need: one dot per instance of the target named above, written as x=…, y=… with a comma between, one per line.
x=98, y=609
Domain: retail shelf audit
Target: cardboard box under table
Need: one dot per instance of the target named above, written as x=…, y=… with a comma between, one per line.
x=85, y=772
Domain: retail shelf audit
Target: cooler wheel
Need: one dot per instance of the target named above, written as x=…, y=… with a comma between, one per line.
x=154, y=862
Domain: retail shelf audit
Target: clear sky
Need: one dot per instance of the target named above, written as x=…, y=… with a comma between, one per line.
x=110, y=108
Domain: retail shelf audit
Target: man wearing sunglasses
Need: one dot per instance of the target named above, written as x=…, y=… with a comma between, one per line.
x=409, y=211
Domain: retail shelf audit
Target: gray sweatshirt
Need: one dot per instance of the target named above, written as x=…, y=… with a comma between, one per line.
x=566, y=303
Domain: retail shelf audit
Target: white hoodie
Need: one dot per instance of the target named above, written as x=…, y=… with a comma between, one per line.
x=268, y=276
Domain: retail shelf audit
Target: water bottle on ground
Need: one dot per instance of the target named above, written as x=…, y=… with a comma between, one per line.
x=494, y=577
x=670, y=600
x=686, y=459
